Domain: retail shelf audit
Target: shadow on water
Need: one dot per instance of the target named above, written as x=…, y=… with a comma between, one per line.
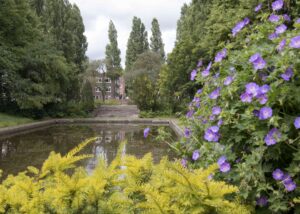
x=31, y=149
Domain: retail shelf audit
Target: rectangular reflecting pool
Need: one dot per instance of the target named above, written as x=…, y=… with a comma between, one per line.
x=32, y=148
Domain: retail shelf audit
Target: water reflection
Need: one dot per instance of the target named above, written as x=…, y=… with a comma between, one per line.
x=31, y=149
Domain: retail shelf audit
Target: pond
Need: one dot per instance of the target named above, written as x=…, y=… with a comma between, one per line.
x=31, y=149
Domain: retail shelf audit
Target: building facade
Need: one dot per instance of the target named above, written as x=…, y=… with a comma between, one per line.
x=104, y=88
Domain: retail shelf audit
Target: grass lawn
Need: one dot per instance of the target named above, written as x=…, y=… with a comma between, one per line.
x=10, y=120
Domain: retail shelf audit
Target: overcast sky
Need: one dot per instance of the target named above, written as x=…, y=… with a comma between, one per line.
x=97, y=13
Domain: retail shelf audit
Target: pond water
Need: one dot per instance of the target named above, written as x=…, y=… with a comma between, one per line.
x=31, y=149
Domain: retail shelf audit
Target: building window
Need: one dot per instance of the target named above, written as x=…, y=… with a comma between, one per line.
x=108, y=89
x=107, y=80
x=99, y=80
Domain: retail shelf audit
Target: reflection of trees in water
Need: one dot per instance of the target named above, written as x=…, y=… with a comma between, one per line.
x=32, y=149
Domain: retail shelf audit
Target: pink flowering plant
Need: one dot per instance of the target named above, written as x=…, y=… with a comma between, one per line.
x=246, y=117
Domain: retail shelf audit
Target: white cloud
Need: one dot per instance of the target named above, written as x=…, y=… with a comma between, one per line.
x=97, y=13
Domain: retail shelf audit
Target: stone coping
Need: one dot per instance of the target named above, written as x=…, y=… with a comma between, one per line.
x=43, y=124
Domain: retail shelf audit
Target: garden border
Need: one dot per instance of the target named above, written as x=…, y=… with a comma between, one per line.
x=44, y=124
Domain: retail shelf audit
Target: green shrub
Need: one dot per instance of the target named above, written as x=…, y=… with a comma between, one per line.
x=247, y=87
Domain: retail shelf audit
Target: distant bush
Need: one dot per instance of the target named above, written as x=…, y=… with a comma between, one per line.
x=127, y=185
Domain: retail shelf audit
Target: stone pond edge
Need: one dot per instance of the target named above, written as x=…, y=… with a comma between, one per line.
x=173, y=123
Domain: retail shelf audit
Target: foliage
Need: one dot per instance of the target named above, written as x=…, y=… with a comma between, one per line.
x=40, y=58
x=113, y=57
x=137, y=42
x=87, y=97
x=203, y=28
x=157, y=44
x=9, y=120
x=127, y=185
x=254, y=145
x=143, y=80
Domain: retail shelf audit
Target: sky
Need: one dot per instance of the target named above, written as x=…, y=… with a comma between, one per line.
x=97, y=14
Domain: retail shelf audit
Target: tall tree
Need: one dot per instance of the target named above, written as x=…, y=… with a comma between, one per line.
x=113, y=58
x=157, y=44
x=137, y=42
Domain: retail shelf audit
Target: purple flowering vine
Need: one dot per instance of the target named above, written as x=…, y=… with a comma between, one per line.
x=146, y=132
x=278, y=175
x=258, y=7
x=274, y=18
x=196, y=155
x=257, y=61
x=221, y=55
x=216, y=110
x=211, y=134
x=206, y=72
x=262, y=201
x=288, y=74
x=215, y=94
x=277, y=5
x=265, y=113
x=295, y=42
x=297, y=123
x=193, y=75
x=281, y=29
x=272, y=137
x=228, y=80
x=281, y=45
x=224, y=166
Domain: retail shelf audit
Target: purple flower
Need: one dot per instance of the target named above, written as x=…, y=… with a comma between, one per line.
x=262, y=201
x=222, y=160
x=262, y=98
x=264, y=89
x=228, y=80
x=287, y=75
x=274, y=18
x=200, y=63
x=265, y=113
x=212, y=117
x=277, y=5
x=184, y=162
x=297, y=123
x=281, y=29
x=258, y=7
x=196, y=155
x=190, y=113
x=298, y=21
x=272, y=137
x=217, y=75
x=225, y=167
x=216, y=110
x=256, y=113
x=287, y=17
x=211, y=135
x=238, y=27
x=187, y=132
x=252, y=88
x=246, y=98
x=215, y=94
x=289, y=185
x=295, y=42
x=254, y=57
x=205, y=73
x=246, y=20
x=278, y=175
x=273, y=36
x=257, y=61
x=281, y=45
x=193, y=74
x=214, y=129
x=146, y=132
x=220, y=122
x=199, y=91
x=221, y=55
